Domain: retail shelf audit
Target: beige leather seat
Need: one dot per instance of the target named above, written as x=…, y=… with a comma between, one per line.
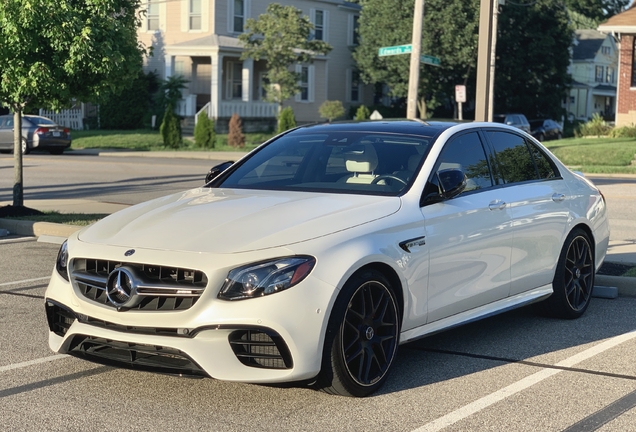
x=361, y=162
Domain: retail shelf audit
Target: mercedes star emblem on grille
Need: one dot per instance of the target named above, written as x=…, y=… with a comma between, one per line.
x=120, y=287
x=129, y=252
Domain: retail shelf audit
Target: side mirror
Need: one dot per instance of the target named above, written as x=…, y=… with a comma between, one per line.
x=216, y=170
x=452, y=181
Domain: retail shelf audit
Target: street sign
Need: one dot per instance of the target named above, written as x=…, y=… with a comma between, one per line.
x=460, y=93
x=427, y=59
x=395, y=50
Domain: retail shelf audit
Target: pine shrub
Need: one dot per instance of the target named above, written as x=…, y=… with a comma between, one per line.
x=171, y=130
x=286, y=120
x=235, y=137
x=362, y=113
x=204, y=134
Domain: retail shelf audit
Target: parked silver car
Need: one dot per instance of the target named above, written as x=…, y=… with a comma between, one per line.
x=38, y=133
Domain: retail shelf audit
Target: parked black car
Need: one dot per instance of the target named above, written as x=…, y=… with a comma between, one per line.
x=38, y=133
x=545, y=129
x=517, y=120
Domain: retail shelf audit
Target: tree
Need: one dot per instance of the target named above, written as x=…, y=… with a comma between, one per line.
x=235, y=137
x=450, y=33
x=527, y=80
x=331, y=109
x=282, y=36
x=204, y=135
x=597, y=10
x=286, y=120
x=52, y=51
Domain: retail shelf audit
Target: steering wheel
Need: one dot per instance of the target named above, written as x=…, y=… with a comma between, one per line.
x=387, y=177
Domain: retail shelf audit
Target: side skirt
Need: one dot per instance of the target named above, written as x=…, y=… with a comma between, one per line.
x=476, y=314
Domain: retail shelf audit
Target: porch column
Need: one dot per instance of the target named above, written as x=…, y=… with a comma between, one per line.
x=169, y=69
x=216, y=81
x=247, y=80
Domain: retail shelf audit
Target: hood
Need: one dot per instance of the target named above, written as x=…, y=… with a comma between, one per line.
x=231, y=220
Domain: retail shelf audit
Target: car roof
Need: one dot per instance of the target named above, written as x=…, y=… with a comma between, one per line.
x=399, y=126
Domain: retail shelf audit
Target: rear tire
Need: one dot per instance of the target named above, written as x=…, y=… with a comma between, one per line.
x=362, y=337
x=573, y=280
x=24, y=147
x=541, y=138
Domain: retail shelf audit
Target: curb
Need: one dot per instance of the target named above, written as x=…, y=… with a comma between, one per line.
x=626, y=285
x=30, y=228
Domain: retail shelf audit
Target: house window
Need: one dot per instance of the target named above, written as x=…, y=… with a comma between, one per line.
x=599, y=73
x=355, y=37
x=610, y=75
x=606, y=50
x=239, y=15
x=234, y=80
x=319, y=25
x=153, y=15
x=304, y=83
x=634, y=63
x=195, y=14
x=355, y=86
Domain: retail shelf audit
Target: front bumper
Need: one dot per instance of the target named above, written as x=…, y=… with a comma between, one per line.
x=276, y=338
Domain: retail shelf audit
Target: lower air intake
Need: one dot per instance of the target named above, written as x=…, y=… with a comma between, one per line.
x=262, y=349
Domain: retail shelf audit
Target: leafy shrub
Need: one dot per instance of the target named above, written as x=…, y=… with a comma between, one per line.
x=235, y=137
x=362, y=113
x=286, y=120
x=171, y=130
x=128, y=109
x=623, y=132
x=204, y=134
x=595, y=127
x=331, y=109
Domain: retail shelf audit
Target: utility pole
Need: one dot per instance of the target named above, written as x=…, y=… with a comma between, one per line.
x=414, y=71
x=486, y=59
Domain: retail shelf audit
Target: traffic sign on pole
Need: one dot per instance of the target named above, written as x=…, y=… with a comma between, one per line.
x=395, y=50
x=430, y=60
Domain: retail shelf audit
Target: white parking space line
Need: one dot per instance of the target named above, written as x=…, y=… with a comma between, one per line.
x=32, y=362
x=499, y=395
x=24, y=281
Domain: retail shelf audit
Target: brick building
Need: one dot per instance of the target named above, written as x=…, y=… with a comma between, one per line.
x=623, y=28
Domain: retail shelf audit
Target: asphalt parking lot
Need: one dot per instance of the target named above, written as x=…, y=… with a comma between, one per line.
x=513, y=372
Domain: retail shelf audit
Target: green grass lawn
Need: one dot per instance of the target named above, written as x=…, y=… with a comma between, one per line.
x=149, y=140
x=596, y=155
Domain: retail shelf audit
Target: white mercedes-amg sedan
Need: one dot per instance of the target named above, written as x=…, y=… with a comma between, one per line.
x=313, y=257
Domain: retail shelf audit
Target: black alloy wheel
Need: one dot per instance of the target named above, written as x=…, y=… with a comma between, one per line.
x=362, y=337
x=573, y=280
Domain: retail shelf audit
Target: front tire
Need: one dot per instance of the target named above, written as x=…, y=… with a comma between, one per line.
x=573, y=280
x=362, y=337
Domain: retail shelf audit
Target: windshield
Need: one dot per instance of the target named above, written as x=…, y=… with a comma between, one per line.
x=341, y=162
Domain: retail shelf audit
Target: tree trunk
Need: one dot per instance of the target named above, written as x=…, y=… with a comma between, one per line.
x=18, y=190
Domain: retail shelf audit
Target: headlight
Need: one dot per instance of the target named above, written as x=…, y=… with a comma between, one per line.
x=267, y=277
x=62, y=261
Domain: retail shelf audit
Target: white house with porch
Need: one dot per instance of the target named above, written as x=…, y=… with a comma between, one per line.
x=198, y=39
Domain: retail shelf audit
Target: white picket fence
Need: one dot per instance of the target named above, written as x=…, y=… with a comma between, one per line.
x=71, y=118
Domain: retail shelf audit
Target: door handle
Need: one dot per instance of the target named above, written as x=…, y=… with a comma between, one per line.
x=557, y=197
x=497, y=205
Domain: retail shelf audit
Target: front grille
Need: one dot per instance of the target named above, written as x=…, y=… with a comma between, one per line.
x=151, y=358
x=59, y=318
x=263, y=349
x=162, y=288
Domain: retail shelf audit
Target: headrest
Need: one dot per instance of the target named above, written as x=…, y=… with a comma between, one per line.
x=361, y=159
